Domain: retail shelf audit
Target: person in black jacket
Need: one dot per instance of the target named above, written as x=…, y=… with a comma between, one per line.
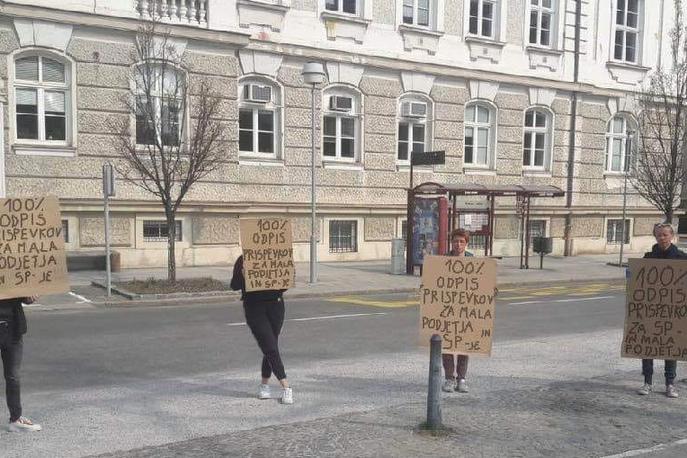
x=264, y=312
x=663, y=249
x=12, y=328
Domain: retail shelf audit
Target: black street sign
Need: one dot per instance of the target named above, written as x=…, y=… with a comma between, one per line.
x=428, y=158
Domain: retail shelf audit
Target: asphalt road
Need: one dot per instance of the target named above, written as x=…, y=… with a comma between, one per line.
x=104, y=380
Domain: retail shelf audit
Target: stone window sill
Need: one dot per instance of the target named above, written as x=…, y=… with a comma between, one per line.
x=468, y=170
x=484, y=48
x=37, y=149
x=627, y=73
x=536, y=172
x=541, y=57
x=260, y=161
x=544, y=50
x=345, y=18
x=416, y=168
x=420, y=30
x=345, y=26
x=262, y=14
x=339, y=165
x=419, y=38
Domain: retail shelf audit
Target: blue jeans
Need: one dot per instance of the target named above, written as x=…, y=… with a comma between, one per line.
x=11, y=350
x=670, y=370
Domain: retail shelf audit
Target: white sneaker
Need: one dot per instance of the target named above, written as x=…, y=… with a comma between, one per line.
x=462, y=386
x=264, y=392
x=287, y=396
x=645, y=389
x=23, y=424
x=448, y=386
x=671, y=391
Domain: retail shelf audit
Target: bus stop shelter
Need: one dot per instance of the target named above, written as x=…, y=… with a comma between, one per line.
x=523, y=195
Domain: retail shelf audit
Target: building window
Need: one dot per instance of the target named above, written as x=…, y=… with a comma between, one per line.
x=479, y=135
x=537, y=139
x=65, y=230
x=414, y=127
x=627, y=38
x=619, y=145
x=417, y=12
x=160, y=105
x=342, y=6
x=537, y=229
x=259, y=119
x=42, y=99
x=341, y=125
x=483, y=18
x=541, y=22
x=156, y=231
x=614, y=231
x=343, y=236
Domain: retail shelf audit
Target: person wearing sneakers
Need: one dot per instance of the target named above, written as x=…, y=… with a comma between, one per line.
x=663, y=249
x=12, y=328
x=264, y=312
x=456, y=366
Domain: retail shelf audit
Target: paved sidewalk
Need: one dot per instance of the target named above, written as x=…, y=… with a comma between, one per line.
x=371, y=276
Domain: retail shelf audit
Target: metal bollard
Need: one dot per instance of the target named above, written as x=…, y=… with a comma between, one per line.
x=434, y=391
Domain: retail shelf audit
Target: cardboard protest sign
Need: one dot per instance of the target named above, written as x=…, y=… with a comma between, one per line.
x=457, y=298
x=267, y=253
x=32, y=258
x=656, y=310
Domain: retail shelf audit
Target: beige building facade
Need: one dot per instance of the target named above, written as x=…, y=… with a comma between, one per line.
x=490, y=82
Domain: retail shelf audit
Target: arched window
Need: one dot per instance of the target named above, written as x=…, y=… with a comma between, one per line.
x=619, y=144
x=480, y=135
x=341, y=128
x=160, y=104
x=42, y=97
x=537, y=139
x=260, y=109
x=414, y=126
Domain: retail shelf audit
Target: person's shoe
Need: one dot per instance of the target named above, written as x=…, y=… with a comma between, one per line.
x=23, y=424
x=671, y=391
x=448, y=386
x=287, y=396
x=645, y=389
x=462, y=386
x=264, y=392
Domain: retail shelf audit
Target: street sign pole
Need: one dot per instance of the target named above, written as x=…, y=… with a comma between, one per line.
x=108, y=191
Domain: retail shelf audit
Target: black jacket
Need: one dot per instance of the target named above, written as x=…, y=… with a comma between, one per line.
x=13, y=309
x=238, y=282
x=672, y=252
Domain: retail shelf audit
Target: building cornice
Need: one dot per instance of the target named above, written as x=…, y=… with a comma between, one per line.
x=75, y=18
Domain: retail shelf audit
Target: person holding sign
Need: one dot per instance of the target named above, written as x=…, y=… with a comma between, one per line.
x=264, y=312
x=12, y=328
x=456, y=366
x=663, y=249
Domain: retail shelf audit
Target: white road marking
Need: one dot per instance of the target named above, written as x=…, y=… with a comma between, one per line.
x=82, y=300
x=35, y=304
x=577, y=299
x=325, y=317
x=644, y=451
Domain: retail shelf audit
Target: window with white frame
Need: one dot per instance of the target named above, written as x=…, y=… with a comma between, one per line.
x=259, y=118
x=541, y=22
x=65, y=230
x=156, y=231
x=619, y=144
x=479, y=135
x=615, y=232
x=160, y=105
x=343, y=236
x=483, y=18
x=414, y=127
x=537, y=139
x=417, y=12
x=341, y=124
x=42, y=99
x=342, y=6
x=627, y=35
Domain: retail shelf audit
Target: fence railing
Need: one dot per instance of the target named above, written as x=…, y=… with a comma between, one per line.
x=192, y=12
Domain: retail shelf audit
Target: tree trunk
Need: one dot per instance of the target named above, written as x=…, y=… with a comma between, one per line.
x=171, y=245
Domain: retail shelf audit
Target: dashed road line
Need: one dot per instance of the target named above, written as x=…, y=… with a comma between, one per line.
x=646, y=451
x=577, y=299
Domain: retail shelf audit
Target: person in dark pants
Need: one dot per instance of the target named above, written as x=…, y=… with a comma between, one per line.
x=264, y=316
x=663, y=249
x=12, y=328
x=456, y=366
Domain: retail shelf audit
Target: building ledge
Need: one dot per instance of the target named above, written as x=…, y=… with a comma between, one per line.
x=541, y=57
x=484, y=48
x=27, y=149
x=345, y=26
x=627, y=73
x=261, y=14
x=420, y=38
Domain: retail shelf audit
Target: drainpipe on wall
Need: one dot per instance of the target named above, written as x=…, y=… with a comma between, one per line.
x=567, y=250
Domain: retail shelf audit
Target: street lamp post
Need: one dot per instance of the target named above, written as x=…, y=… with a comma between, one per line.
x=626, y=170
x=313, y=74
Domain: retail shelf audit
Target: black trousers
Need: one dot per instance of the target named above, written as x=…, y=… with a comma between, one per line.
x=265, y=320
x=11, y=350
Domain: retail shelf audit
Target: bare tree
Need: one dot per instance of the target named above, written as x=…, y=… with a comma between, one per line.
x=658, y=171
x=167, y=145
